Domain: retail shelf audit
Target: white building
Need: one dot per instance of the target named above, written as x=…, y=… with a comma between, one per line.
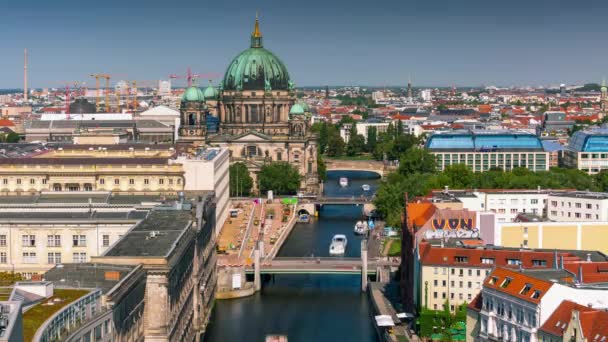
x=208, y=170
x=363, y=129
x=577, y=206
x=164, y=87
x=426, y=95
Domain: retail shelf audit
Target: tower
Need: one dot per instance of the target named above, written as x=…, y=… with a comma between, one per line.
x=409, y=87
x=25, y=74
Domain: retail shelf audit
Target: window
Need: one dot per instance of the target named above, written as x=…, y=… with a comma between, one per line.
x=461, y=283
x=170, y=181
x=179, y=181
x=28, y=240
x=460, y=296
x=469, y=296
x=469, y=284
x=477, y=285
x=534, y=201
x=525, y=230
x=506, y=282
x=470, y=272
x=102, y=181
x=79, y=240
x=539, y=262
x=105, y=240
x=513, y=211
x=461, y=259
x=577, y=215
x=536, y=294
x=513, y=261
x=588, y=216
x=3, y=240
x=131, y=181
x=526, y=289
x=434, y=294
x=453, y=271
x=54, y=258
x=501, y=211
x=5, y=181
x=435, y=270
x=435, y=282
x=554, y=203
x=488, y=261
x=577, y=205
x=116, y=181
x=443, y=295
x=79, y=257
x=32, y=181
x=18, y=180
x=161, y=181
x=478, y=273
x=53, y=240
x=146, y=181
x=29, y=257
x=525, y=244
x=589, y=206
x=3, y=258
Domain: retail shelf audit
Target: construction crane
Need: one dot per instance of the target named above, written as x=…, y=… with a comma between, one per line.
x=191, y=78
x=107, y=90
x=76, y=87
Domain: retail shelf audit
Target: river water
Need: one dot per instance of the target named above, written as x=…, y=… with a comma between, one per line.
x=307, y=307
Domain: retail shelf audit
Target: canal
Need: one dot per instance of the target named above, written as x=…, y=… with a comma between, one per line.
x=307, y=308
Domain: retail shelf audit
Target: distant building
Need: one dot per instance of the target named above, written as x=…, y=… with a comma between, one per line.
x=164, y=88
x=577, y=206
x=555, y=123
x=484, y=150
x=588, y=151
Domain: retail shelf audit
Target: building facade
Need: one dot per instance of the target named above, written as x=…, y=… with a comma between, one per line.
x=588, y=151
x=577, y=206
x=485, y=150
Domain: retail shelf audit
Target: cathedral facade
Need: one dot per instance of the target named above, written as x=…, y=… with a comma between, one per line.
x=254, y=114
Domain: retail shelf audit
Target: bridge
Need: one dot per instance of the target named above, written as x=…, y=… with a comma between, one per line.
x=308, y=265
x=358, y=165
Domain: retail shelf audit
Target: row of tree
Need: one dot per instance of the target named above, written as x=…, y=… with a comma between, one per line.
x=388, y=145
x=417, y=175
x=280, y=177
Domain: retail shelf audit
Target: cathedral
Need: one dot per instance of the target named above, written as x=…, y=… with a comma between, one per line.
x=254, y=114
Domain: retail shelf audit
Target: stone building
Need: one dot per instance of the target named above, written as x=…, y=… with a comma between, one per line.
x=259, y=118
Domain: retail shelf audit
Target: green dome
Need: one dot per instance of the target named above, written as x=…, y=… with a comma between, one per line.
x=297, y=109
x=256, y=69
x=193, y=94
x=211, y=92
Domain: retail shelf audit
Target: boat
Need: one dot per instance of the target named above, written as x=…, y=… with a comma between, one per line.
x=360, y=227
x=304, y=218
x=276, y=338
x=365, y=187
x=338, y=245
x=343, y=182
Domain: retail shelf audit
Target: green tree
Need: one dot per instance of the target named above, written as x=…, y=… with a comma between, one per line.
x=601, y=180
x=372, y=137
x=356, y=145
x=321, y=168
x=12, y=137
x=335, y=145
x=323, y=137
x=280, y=177
x=240, y=180
x=417, y=160
x=399, y=130
x=458, y=176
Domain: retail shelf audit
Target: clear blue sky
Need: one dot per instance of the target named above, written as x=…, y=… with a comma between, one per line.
x=335, y=42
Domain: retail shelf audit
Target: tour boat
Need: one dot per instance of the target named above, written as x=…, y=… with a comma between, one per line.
x=365, y=187
x=338, y=245
x=343, y=182
x=276, y=338
x=360, y=227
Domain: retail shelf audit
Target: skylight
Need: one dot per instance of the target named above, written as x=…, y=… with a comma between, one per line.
x=526, y=289
x=506, y=282
x=493, y=280
x=535, y=294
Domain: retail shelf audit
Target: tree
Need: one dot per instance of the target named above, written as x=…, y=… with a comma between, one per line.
x=280, y=177
x=372, y=137
x=417, y=160
x=601, y=180
x=321, y=168
x=356, y=145
x=458, y=176
x=335, y=145
x=323, y=137
x=240, y=180
x=399, y=131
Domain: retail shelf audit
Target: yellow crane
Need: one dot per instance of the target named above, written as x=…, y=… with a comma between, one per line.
x=107, y=91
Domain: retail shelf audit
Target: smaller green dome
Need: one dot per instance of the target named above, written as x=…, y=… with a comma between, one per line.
x=211, y=92
x=604, y=89
x=297, y=109
x=193, y=94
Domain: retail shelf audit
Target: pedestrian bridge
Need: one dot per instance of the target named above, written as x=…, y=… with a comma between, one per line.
x=357, y=165
x=327, y=265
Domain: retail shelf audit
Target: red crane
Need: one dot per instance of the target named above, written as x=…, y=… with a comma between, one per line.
x=190, y=77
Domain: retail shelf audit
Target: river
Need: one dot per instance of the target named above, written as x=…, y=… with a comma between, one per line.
x=307, y=308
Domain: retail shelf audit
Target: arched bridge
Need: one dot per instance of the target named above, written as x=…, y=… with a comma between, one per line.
x=358, y=165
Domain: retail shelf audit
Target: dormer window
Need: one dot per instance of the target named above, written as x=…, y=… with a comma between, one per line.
x=461, y=259
x=506, y=282
x=526, y=289
x=539, y=263
x=489, y=261
x=536, y=294
x=493, y=280
x=513, y=261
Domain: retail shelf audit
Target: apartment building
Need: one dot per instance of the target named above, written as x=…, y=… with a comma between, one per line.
x=514, y=304
x=577, y=206
x=484, y=150
x=457, y=274
x=575, y=322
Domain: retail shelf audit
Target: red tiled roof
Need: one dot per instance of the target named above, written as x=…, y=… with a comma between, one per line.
x=593, y=272
x=557, y=323
x=476, y=303
x=448, y=255
x=6, y=123
x=518, y=281
x=420, y=213
x=594, y=323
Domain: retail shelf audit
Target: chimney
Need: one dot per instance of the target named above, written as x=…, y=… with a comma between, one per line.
x=446, y=189
x=588, y=257
x=25, y=74
x=538, y=189
x=580, y=274
x=561, y=262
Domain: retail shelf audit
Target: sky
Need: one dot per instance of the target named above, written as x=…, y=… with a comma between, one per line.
x=322, y=42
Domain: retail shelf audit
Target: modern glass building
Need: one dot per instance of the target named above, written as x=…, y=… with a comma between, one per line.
x=484, y=150
x=588, y=151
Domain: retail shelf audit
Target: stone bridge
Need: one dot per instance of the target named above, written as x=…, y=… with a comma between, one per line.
x=358, y=165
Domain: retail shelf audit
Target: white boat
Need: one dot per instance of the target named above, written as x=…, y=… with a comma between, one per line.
x=338, y=245
x=365, y=187
x=343, y=182
x=360, y=227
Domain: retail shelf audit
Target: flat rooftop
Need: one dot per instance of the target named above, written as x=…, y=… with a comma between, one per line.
x=581, y=194
x=155, y=236
x=87, y=275
x=84, y=198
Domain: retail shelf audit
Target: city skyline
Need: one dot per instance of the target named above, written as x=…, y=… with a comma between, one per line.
x=437, y=43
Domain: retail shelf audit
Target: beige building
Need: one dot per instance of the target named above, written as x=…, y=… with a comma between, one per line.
x=577, y=206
